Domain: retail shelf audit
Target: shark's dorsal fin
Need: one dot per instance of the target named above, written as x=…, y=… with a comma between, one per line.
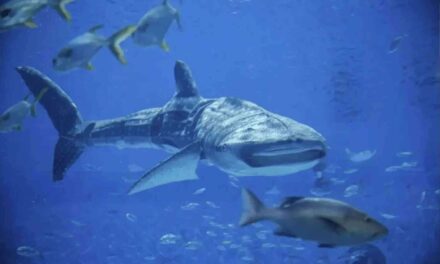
x=185, y=85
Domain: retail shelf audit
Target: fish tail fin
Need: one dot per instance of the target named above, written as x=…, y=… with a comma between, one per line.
x=253, y=208
x=64, y=116
x=116, y=39
x=60, y=7
x=37, y=99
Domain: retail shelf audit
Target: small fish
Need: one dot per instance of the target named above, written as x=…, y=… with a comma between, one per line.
x=190, y=206
x=77, y=223
x=199, y=191
x=329, y=222
x=360, y=156
x=351, y=190
x=154, y=25
x=28, y=252
x=17, y=13
x=350, y=171
x=395, y=43
x=12, y=119
x=388, y=216
x=79, y=51
x=131, y=217
x=212, y=204
x=403, y=166
x=193, y=245
x=169, y=238
x=404, y=154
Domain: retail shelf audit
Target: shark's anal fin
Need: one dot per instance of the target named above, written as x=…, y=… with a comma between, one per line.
x=179, y=167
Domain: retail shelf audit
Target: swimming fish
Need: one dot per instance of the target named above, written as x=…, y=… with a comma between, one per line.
x=79, y=51
x=360, y=156
x=329, y=222
x=237, y=136
x=153, y=26
x=12, y=119
x=21, y=12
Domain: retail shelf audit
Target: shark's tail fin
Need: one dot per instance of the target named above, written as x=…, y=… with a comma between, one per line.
x=64, y=115
x=60, y=7
x=115, y=42
x=253, y=209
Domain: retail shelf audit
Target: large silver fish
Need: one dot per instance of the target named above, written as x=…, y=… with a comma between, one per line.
x=79, y=51
x=153, y=26
x=329, y=222
x=235, y=135
x=21, y=12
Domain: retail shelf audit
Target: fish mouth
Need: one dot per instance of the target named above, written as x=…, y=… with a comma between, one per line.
x=261, y=156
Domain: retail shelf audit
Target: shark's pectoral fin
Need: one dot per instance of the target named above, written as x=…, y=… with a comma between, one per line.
x=179, y=167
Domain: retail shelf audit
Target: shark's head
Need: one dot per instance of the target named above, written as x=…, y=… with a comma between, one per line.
x=267, y=144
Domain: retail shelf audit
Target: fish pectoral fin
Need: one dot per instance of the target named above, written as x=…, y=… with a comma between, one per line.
x=179, y=167
x=326, y=246
x=88, y=66
x=282, y=232
x=333, y=225
x=30, y=24
x=179, y=23
x=17, y=128
x=164, y=46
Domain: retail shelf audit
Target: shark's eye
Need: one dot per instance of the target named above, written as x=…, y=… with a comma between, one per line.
x=5, y=12
x=367, y=219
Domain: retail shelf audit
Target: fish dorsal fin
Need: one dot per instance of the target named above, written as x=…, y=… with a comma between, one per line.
x=288, y=201
x=165, y=2
x=185, y=84
x=95, y=28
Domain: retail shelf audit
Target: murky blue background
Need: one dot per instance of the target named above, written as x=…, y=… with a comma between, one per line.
x=323, y=63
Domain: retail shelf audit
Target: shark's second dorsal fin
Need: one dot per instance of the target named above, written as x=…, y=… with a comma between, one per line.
x=185, y=85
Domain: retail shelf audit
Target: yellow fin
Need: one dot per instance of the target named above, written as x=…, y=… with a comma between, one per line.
x=164, y=46
x=30, y=24
x=60, y=7
x=115, y=42
x=88, y=66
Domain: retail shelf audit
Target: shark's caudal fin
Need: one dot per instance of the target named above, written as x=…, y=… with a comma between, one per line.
x=60, y=7
x=253, y=208
x=116, y=39
x=64, y=115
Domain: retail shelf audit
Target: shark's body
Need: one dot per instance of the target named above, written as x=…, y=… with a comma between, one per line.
x=237, y=136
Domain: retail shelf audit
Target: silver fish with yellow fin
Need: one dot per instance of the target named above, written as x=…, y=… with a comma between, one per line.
x=12, y=119
x=153, y=26
x=329, y=222
x=79, y=51
x=21, y=12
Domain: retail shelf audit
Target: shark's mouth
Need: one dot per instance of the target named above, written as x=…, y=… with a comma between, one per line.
x=279, y=156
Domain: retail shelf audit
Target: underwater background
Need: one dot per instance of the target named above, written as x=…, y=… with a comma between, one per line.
x=365, y=74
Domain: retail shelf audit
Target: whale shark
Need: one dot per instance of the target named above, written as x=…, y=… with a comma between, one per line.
x=237, y=136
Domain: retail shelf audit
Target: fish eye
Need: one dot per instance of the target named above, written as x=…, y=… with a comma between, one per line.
x=5, y=12
x=367, y=219
x=66, y=53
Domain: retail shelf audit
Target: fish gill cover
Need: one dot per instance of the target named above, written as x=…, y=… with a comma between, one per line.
x=334, y=99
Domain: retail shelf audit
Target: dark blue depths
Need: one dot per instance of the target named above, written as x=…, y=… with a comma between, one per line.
x=363, y=73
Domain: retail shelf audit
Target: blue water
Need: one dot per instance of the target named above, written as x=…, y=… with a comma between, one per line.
x=324, y=63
